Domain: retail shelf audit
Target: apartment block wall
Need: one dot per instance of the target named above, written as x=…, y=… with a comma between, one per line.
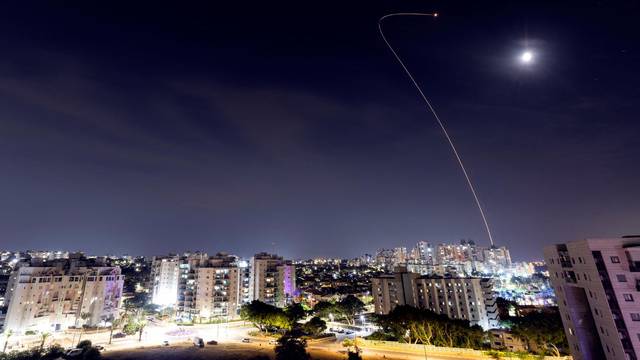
x=597, y=288
x=470, y=299
x=52, y=298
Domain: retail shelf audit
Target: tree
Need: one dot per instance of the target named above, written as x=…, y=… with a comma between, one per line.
x=43, y=339
x=91, y=353
x=543, y=330
x=84, y=344
x=115, y=323
x=141, y=325
x=295, y=312
x=408, y=324
x=291, y=348
x=7, y=334
x=315, y=326
x=349, y=307
x=84, y=316
x=323, y=309
x=265, y=316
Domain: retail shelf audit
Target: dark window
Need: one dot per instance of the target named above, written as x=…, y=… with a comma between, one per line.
x=627, y=297
x=615, y=259
x=621, y=278
x=635, y=316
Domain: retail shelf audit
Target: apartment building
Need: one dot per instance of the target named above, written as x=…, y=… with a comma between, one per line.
x=165, y=276
x=470, y=299
x=597, y=285
x=272, y=279
x=200, y=286
x=62, y=294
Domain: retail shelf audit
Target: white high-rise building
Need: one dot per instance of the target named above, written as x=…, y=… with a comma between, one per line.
x=165, y=275
x=272, y=279
x=61, y=295
x=200, y=286
x=597, y=286
x=423, y=253
x=399, y=256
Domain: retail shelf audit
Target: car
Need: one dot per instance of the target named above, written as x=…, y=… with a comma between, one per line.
x=119, y=335
x=212, y=342
x=99, y=347
x=273, y=342
x=165, y=343
x=348, y=332
x=246, y=340
x=74, y=352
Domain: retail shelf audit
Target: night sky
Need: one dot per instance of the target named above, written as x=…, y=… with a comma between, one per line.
x=289, y=127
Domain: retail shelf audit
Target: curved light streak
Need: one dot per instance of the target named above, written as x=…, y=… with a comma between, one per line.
x=435, y=114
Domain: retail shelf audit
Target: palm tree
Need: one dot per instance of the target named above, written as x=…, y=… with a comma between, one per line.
x=141, y=325
x=43, y=339
x=115, y=323
x=84, y=316
x=7, y=335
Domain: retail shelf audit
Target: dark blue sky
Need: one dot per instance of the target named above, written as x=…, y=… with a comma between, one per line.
x=153, y=128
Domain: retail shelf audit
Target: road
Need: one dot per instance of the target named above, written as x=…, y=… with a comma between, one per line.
x=236, y=350
x=230, y=346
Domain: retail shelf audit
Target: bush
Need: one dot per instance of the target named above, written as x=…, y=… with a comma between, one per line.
x=30, y=332
x=291, y=348
x=91, y=354
x=53, y=352
x=380, y=336
x=130, y=328
x=84, y=344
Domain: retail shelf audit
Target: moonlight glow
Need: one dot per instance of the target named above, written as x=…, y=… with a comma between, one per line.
x=526, y=57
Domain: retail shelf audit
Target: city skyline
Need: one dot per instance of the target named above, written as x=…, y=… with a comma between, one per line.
x=131, y=130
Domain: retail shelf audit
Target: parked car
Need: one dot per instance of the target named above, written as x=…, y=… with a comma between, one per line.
x=74, y=352
x=165, y=343
x=348, y=332
x=273, y=342
x=119, y=335
x=246, y=340
x=198, y=342
x=212, y=342
x=99, y=347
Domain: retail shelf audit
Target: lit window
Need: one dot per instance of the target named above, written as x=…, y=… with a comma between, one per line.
x=627, y=297
x=615, y=259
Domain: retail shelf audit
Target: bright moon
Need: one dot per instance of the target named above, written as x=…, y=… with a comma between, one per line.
x=526, y=57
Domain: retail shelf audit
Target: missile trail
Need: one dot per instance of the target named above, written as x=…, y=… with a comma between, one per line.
x=435, y=114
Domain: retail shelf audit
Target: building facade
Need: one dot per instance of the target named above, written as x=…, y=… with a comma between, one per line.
x=597, y=285
x=53, y=298
x=165, y=276
x=206, y=287
x=470, y=299
x=272, y=279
